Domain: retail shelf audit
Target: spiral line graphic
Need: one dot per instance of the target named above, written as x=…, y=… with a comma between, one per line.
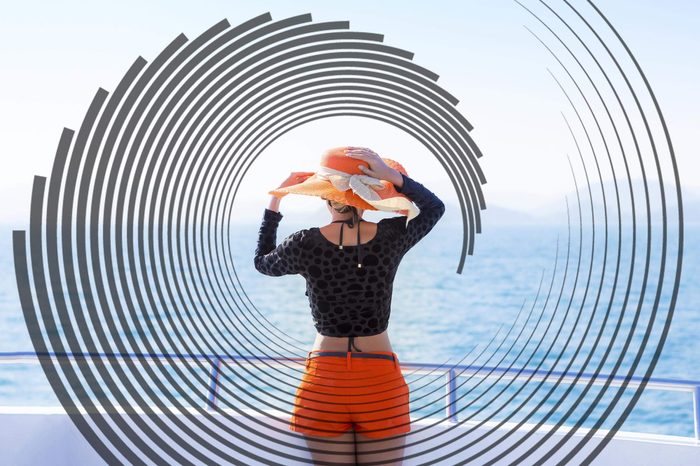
x=129, y=255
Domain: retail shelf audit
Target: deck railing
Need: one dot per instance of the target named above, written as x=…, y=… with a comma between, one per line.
x=451, y=372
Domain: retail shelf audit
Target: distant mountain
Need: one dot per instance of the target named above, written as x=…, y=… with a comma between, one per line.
x=554, y=212
x=492, y=215
x=690, y=199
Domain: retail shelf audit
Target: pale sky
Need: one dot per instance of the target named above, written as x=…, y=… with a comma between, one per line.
x=56, y=54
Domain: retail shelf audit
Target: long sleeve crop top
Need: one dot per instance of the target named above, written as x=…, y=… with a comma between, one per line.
x=347, y=300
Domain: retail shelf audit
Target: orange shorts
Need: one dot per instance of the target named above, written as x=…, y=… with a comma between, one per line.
x=338, y=393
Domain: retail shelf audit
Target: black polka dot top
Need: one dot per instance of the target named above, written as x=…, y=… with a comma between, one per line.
x=347, y=299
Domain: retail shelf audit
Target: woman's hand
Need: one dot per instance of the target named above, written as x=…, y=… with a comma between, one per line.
x=294, y=178
x=377, y=167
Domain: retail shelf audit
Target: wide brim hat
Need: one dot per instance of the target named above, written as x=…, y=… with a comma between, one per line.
x=340, y=179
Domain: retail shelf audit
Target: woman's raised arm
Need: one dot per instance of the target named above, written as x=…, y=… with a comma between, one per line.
x=285, y=259
x=431, y=210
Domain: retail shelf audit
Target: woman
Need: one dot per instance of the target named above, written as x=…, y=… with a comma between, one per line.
x=353, y=399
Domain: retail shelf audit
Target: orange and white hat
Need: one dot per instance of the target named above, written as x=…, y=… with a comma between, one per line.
x=339, y=178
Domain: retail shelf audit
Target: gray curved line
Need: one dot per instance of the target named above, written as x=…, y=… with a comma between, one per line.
x=535, y=370
x=466, y=446
x=568, y=340
x=22, y=263
x=676, y=286
x=639, y=354
x=623, y=109
x=605, y=208
x=169, y=50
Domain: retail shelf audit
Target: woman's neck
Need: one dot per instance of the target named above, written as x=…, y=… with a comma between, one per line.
x=338, y=218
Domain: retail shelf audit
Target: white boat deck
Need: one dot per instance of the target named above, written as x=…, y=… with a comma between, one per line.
x=47, y=436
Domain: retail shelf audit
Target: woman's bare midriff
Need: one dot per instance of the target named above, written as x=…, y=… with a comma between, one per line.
x=379, y=342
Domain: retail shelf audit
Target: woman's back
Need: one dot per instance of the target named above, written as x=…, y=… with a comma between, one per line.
x=332, y=233
x=347, y=300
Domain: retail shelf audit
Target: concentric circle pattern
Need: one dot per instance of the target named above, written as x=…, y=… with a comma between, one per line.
x=130, y=289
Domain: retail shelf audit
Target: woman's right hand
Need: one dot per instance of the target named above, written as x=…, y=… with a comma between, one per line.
x=377, y=167
x=295, y=178
x=292, y=179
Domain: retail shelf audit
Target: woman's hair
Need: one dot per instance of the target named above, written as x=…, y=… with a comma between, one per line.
x=340, y=207
x=344, y=208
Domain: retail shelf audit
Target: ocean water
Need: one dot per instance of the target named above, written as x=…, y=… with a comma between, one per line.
x=501, y=311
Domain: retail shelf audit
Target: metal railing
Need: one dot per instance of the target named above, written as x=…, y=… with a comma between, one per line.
x=451, y=372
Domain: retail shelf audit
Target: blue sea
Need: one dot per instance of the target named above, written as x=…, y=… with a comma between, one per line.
x=440, y=316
